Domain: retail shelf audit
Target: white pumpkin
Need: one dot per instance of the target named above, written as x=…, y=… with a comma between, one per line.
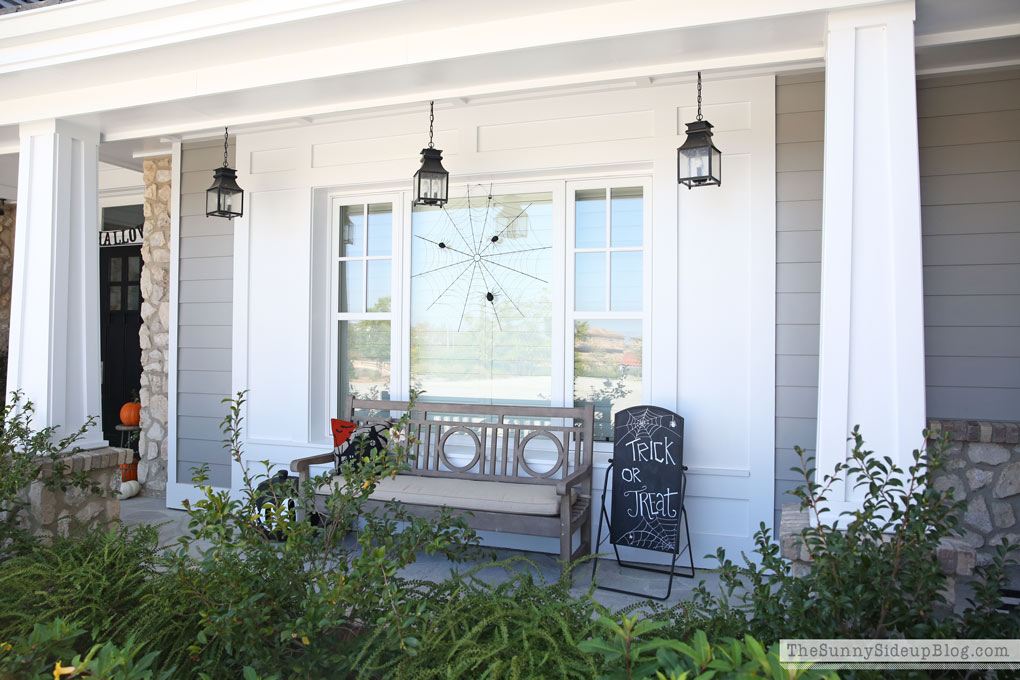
x=129, y=489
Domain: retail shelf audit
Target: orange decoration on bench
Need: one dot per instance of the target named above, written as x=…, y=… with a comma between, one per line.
x=342, y=430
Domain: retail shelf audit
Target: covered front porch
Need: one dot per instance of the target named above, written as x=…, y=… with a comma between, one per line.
x=778, y=309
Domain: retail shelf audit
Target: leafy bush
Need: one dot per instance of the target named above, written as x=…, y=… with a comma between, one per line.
x=27, y=455
x=42, y=653
x=231, y=597
x=629, y=653
x=468, y=628
x=96, y=577
x=873, y=572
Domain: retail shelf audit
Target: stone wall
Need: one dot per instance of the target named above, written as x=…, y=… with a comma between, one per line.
x=52, y=513
x=955, y=556
x=6, y=276
x=983, y=467
x=154, y=334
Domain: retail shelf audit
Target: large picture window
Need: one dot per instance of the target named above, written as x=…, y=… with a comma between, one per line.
x=481, y=299
x=529, y=297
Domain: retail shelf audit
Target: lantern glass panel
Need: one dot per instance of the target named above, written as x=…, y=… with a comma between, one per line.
x=716, y=165
x=220, y=200
x=433, y=186
x=697, y=163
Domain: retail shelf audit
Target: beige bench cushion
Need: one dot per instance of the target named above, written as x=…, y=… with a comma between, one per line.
x=468, y=494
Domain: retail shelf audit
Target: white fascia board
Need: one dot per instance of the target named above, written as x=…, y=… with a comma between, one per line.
x=124, y=91
x=107, y=27
x=97, y=28
x=968, y=35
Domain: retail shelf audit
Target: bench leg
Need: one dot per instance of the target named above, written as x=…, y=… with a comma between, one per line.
x=565, y=534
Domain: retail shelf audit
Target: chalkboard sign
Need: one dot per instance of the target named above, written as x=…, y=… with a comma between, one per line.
x=648, y=456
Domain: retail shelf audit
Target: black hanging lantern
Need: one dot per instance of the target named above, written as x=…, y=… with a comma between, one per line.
x=224, y=198
x=431, y=184
x=699, y=163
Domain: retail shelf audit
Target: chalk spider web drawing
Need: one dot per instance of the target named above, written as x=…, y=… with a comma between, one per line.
x=643, y=424
x=480, y=251
x=654, y=534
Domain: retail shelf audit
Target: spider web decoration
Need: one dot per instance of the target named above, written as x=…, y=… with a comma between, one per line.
x=655, y=534
x=644, y=424
x=477, y=256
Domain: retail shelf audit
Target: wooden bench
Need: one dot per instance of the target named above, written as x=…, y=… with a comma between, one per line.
x=512, y=469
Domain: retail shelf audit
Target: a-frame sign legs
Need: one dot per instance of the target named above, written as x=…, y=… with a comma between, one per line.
x=685, y=572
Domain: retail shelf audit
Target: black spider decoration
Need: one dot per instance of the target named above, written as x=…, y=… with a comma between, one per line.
x=478, y=260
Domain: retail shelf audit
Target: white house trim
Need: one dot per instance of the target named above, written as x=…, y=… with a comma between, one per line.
x=54, y=338
x=871, y=354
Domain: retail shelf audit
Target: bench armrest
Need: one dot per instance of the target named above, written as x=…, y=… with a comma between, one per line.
x=563, y=486
x=301, y=465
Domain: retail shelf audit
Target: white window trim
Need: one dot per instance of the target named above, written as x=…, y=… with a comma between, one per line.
x=571, y=316
x=562, y=337
x=394, y=316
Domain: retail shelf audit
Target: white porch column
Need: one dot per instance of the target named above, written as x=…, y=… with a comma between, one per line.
x=54, y=345
x=871, y=354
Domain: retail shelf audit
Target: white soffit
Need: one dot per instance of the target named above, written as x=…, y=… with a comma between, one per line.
x=150, y=69
x=261, y=63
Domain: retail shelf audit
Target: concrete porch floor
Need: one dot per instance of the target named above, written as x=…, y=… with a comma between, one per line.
x=174, y=523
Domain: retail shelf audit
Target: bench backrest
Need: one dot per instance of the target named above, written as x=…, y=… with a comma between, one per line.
x=542, y=444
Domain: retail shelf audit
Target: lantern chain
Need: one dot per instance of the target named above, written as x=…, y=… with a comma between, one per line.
x=699, y=95
x=226, y=140
x=432, y=118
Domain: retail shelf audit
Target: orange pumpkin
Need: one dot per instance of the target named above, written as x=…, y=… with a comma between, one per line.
x=129, y=472
x=130, y=413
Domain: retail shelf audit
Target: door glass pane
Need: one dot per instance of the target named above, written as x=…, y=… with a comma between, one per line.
x=115, y=294
x=134, y=267
x=590, y=282
x=352, y=296
x=134, y=298
x=607, y=369
x=364, y=352
x=378, y=285
x=625, y=282
x=116, y=269
x=380, y=224
x=352, y=230
x=481, y=299
x=627, y=221
x=590, y=218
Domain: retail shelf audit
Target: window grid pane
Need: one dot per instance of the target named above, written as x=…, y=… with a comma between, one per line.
x=607, y=369
x=627, y=217
x=364, y=360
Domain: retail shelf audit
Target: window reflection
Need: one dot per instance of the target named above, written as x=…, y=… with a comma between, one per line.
x=607, y=369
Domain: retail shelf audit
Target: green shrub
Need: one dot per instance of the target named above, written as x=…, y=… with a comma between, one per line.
x=231, y=597
x=468, y=628
x=42, y=654
x=629, y=654
x=96, y=577
x=873, y=572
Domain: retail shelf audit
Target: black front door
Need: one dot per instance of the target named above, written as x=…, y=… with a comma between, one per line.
x=120, y=272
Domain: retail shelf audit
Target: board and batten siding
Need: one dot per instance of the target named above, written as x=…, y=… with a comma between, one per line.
x=205, y=308
x=800, y=122
x=969, y=138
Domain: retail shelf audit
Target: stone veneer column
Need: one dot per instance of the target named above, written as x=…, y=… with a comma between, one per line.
x=154, y=335
x=6, y=271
